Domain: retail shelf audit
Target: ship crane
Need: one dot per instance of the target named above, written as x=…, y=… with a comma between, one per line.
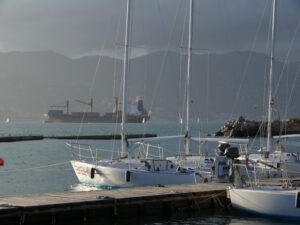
x=91, y=103
x=67, y=105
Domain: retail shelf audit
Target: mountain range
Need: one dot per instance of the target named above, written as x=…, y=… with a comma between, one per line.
x=223, y=86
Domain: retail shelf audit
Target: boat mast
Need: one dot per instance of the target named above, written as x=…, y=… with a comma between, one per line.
x=270, y=102
x=189, y=67
x=125, y=65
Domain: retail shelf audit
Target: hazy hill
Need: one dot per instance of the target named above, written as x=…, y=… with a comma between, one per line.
x=223, y=85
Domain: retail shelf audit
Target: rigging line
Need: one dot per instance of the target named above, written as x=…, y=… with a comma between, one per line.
x=130, y=49
x=182, y=110
x=146, y=58
x=90, y=90
x=284, y=66
x=259, y=131
x=145, y=83
x=292, y=90
x=287, y=58
x=287, y=92
x=206, y=112
x=180, y=59
x=90, y=94
x=33, y=168
x=126, y=70
x=130, y=56
x=116, y=124
x=145, y=87
x=207, y=87
x=166, y=51
x=248, y=60
x=265, y=90
x=115, y=73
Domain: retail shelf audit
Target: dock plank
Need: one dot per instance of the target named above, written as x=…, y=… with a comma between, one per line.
x=72, y=207
x=73, y=197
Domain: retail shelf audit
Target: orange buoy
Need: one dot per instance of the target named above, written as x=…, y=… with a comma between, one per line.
x=1, y=162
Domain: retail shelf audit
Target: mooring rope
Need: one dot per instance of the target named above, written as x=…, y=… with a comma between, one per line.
x=34, y=168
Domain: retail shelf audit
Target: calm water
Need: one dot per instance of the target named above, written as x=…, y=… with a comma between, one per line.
x=35, y=167
x=205, y=217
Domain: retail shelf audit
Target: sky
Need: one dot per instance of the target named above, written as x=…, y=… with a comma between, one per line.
x=77, y=28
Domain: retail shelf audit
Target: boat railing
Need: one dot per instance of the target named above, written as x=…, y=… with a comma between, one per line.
x=255, y=172
x=243, y=148
x=145, y=150
x=85, y=152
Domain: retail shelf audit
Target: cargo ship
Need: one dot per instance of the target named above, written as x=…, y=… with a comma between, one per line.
x=138, y=114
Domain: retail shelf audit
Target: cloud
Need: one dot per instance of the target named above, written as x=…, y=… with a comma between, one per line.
x=76, y=27
x=118, y=53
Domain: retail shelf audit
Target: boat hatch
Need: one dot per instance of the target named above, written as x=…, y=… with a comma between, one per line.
x=160, y=165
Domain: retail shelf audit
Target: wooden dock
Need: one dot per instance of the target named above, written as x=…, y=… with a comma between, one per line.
x=100, y=206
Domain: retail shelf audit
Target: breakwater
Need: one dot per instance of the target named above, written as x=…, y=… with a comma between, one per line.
x=80, y=137
x=250, y=128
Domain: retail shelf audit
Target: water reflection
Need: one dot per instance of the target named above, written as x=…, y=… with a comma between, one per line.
x=81, y=187
x=205, y=217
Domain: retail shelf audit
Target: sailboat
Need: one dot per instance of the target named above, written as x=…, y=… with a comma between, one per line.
x=126, y=171
x=271, y=161
x=200, y=162
x=211, y=168
x=283, y=202
x=271, y=201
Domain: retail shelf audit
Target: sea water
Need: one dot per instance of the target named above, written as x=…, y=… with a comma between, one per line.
x=42, y=166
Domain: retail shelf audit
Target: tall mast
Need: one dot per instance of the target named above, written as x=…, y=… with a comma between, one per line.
x=271, y=78
x=189, y=67
x=125, y=65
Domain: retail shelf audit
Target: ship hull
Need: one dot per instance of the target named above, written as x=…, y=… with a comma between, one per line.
x=101, y=119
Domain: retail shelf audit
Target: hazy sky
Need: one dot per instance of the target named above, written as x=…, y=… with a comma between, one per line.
x=82, y=27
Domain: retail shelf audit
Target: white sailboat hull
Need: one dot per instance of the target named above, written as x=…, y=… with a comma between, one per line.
x=110, y=177
x=271, y=202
